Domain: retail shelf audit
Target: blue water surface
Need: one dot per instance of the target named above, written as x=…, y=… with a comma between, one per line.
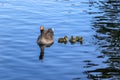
x=19, y=29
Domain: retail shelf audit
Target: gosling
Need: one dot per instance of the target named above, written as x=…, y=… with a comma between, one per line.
x=72, y=40
x=79, y=39
x=63, y=40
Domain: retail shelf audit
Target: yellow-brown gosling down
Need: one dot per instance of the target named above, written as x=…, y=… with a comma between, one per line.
x=63, y=40
x=72, y=40
x=79, y=39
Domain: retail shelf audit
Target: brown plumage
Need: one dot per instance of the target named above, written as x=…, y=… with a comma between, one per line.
x=46, y=37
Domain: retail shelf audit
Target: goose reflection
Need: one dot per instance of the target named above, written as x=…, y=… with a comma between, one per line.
x=107, y=36
x=42, y=48
x=46, y=39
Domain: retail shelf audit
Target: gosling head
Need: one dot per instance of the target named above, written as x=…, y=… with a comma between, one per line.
x=77, y=38
x=66, y=38
x=72, y=37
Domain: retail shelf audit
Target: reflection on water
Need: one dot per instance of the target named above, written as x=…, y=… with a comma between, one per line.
x=42, y=48
x=107, y=27
x=98, y=58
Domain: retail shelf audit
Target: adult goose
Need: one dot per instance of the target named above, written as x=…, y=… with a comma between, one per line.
x=46, y=37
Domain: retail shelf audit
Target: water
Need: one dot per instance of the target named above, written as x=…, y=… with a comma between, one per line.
x=96, y=21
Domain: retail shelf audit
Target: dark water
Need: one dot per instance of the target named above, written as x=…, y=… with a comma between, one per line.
x=98, y=58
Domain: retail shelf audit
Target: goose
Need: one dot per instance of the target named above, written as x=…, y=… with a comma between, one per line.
x=46, y=37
